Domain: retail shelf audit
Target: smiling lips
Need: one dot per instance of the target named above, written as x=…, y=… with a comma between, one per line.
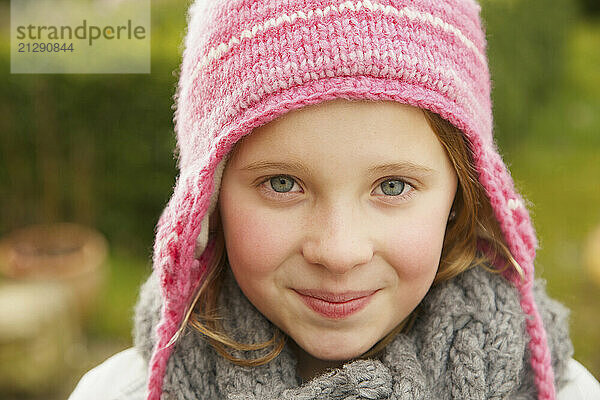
x=335, y=305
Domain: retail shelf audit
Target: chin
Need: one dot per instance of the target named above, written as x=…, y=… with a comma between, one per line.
x=337, y=355
x=337, y=350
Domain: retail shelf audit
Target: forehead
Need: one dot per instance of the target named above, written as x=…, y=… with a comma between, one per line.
x=353, y=130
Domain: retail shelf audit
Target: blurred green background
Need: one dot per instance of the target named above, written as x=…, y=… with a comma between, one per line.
x=98, y=150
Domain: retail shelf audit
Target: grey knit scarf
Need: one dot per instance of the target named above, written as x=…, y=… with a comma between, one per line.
x=468, y=342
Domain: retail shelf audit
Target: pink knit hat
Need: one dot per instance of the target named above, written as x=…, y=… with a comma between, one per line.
x=246, y=62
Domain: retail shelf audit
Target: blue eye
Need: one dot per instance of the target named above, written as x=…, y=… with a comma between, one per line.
x=392, y=187
x=282, y=183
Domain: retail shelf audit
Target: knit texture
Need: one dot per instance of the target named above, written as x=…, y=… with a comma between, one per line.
x=246, y=62
x=469, y=341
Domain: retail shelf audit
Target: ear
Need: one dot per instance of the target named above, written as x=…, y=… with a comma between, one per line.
x=453, y=207
x=452, y=215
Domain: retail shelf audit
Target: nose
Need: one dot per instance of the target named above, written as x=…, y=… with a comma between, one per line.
x=338, y=239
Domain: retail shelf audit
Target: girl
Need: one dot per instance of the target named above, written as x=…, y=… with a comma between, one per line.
x=343, y=226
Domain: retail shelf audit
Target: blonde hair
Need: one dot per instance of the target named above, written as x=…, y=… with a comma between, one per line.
x=473, y=221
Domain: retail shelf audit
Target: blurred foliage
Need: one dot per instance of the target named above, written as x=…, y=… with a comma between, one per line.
x=112, y=314
x=558, y=165
x=526, y=44
x=591, y=8
x=95, y=149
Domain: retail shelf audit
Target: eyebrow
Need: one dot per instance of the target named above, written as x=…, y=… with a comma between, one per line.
x=405, y=166
x=290, y=165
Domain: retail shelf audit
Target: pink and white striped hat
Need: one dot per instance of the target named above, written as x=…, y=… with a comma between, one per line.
x=246, y=62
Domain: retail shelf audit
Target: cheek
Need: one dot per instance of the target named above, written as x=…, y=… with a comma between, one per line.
x=255, y=241
x=415, y=249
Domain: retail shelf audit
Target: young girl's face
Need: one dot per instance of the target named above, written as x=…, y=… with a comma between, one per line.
x=334, y=218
